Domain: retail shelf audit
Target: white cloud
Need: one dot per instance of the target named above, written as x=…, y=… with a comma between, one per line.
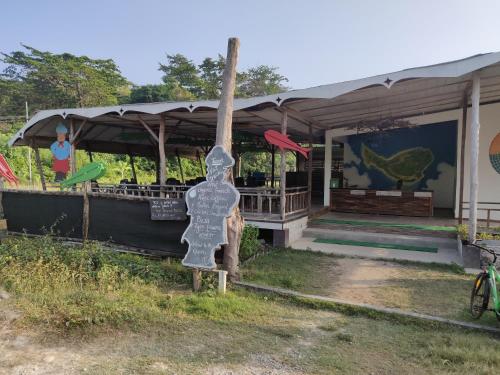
x=443, y=186
x=350, y=156
x=354, y=178
x=351, y=169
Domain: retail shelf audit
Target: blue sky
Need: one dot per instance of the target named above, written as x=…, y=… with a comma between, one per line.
x=312, y=42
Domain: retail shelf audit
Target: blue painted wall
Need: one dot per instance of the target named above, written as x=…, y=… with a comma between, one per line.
x=439, y=138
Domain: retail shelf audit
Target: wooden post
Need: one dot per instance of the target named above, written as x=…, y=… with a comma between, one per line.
x=273, y=152
x=196, y=280
x=72, y=164
x=462, y=159
x=39, y=167
x=222, y=281
x=161, y=150
x=284, y=123
x=327, y=168
x=180, y=165
x=86, y=186
x=309, y=169
x=201, y=163
x=224, y=138
x=132, y=166
x=474, y=156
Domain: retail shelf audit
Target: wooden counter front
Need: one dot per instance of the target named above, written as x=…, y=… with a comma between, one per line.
x=388, y=202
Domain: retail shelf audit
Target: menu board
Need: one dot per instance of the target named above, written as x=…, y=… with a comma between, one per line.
x=167, y=209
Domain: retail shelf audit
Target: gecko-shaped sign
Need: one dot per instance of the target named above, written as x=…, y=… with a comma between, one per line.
x=209, y=204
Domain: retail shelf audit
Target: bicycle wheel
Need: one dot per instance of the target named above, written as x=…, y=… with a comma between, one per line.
x=480, y=295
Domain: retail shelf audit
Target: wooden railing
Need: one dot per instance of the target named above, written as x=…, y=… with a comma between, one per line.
x=255, y=202
x=488, y=210
x=264, y=203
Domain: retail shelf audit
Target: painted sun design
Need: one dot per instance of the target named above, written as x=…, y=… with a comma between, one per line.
x=495, y=153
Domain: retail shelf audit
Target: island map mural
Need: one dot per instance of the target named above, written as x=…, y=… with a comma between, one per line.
x=415, y=158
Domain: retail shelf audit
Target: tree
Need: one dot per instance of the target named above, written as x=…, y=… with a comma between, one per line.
x=261, y=80
x=52, y=80
x=205, y=80
x=180, y=72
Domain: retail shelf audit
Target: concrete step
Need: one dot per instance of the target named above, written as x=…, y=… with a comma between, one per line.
x=388, y=238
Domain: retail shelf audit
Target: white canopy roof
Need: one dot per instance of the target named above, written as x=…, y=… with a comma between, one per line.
x=405, y=93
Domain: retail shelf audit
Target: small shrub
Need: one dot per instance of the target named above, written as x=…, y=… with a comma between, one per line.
x=250, y=244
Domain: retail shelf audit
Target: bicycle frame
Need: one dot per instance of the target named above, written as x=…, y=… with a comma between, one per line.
x=494, y=278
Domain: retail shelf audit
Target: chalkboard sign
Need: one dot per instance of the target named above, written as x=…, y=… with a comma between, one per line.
x=209, y=204
x=167, y=209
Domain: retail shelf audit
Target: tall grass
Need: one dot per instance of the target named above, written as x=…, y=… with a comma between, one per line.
x=70, y=286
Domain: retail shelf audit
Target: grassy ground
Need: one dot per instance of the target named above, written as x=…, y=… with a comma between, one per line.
x=431, y=289
x=82, y=310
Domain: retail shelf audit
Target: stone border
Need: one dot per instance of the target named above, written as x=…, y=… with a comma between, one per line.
x=383, y=310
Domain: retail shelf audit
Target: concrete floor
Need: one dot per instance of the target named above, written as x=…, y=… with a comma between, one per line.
x=447, y=251
x=445, y=255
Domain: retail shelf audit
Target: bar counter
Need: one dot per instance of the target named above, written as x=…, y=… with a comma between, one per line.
x=387, y=202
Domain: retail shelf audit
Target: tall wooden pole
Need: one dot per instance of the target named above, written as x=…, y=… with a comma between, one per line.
x=180, y=164
x=273, y=152
x=224, y=138
x=132, y=166
x=284, y=123
x=201, y=163
x=38, y=162
x=72, y=164
x=161, y=151
x=310, y=169
x=474, y=156
x=462, y=158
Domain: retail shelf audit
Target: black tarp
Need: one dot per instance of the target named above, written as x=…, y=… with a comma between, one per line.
x=120, y=221
x=38, y=213
x=128, y=222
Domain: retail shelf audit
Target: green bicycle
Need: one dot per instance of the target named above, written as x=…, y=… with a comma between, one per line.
x=484, y=287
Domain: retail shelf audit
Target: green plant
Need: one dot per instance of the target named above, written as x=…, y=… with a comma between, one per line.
x=250, y=244
x=463, y=231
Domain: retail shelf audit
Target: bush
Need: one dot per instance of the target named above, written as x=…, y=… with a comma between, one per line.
x=66, y=286
x=250, y=244
x=463, y=231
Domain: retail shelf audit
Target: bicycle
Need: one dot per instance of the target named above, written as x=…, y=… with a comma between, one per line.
x=484, y=286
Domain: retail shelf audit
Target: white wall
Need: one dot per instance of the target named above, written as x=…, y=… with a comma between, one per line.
x=489, y=179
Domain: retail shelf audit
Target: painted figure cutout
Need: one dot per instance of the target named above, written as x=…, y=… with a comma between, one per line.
x=61, y=150
x=209, y=204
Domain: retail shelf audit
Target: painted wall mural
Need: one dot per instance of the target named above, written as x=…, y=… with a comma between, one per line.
x=417, y=158
x=494, y=153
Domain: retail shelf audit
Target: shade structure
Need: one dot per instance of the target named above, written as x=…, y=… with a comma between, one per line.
x=192, y=125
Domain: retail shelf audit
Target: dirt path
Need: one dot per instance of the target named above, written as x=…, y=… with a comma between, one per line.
x=358, y=279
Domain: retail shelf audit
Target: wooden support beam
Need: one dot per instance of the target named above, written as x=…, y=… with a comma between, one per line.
x=284, y=123
x=161, y=150
x=132, y=166
x=179, y=164
x=309, y=169
x=86, y=210
x=262, y=116
x=75, y=136
x=198, y=156
x=38, y=162
x=273, y=157
x=301, y=117
x=72, y=162
x=462, y=158
x=474, y=156
x=146, y=126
